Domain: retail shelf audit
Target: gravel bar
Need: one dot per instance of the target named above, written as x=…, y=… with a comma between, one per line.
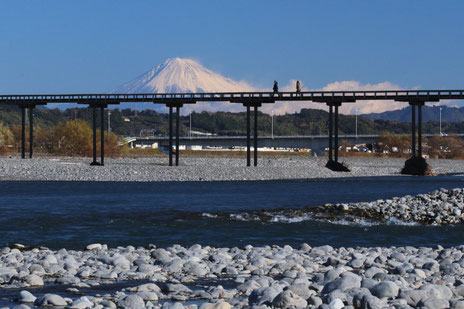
x=203, y=169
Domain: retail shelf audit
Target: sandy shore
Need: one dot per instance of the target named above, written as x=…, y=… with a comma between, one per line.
x=203, y=169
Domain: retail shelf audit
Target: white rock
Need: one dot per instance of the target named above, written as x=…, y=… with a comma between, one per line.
x=26, y=297
x=95, y=246
x=336, y=304
x=50, y=300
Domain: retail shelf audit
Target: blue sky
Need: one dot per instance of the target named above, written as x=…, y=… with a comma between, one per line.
x=93, y=46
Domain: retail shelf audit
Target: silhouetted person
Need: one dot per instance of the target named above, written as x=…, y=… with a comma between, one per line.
x=276, y=87
x=298, y=86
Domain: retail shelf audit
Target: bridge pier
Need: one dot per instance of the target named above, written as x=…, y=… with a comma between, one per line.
x=170, y=119
x=333, y=163
x=177, y=134
x=102, y=136
x=255, y=146
x=416, y=165
x=170, y=135
x=248, y=106
x=336, y=134
x=31, y=131
x=330, y=133
x=30, y=107
x=248, y=136
x=23, y=132
x=94, y=135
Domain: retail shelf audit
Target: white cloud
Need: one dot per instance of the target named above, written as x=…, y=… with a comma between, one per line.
x=212, y=107
x=279, y=108
x=364, y=107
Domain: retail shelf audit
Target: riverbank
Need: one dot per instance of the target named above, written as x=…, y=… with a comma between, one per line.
x=283, y=277
x=440, y=207
x=376, y=275
x=203, y=169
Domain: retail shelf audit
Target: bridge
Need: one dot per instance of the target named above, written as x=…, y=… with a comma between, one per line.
x=333, y=99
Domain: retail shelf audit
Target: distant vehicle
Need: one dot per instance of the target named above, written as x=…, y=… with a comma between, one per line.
x=443, y=134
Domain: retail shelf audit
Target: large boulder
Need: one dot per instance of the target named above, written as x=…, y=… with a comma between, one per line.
x=437, y=291
x=33, y=280
x=385, y=289
x=412, y=297
x=289, y=299
x=131, y=302
x=265, y=295
x=26, y=297
x=347, y=282
x=217, y=305
x=81, y=303
x=50, y=300
x=434, y=303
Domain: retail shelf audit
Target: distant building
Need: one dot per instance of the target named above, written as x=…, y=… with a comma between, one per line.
x=198, y=133
x=145, y=145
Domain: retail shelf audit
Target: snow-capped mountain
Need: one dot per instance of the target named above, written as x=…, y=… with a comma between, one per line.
x=178, y=75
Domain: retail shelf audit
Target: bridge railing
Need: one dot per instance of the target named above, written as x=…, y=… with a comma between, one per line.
x=236, y=96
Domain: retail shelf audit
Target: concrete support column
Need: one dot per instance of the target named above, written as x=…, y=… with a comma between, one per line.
x=413, y=130
x=256, y=136
x=102, y=136
x=333, y=163
x=23, y=132
x=94, y=136
x=177, y=134
x=330, y=133
x=419, y=130
x=170, y=135
x=416, y=165
x=336, y=134
x=31, y=131
x=248, y=136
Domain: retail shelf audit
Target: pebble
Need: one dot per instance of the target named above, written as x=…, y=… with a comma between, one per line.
x=440, y=207
x=26, y=297
x=314, y=277
x=131, y=302
x=50, y=300
x=205, y=168
x=94, y=247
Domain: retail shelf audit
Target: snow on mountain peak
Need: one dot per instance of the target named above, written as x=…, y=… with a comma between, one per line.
x=177, y=75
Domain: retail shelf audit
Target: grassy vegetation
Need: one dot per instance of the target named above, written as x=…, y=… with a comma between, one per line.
x=140, y=152
x=219, y=153
x=128, y=122
x=208, y=153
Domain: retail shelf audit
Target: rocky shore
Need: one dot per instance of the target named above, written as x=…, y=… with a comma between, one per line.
x=204, y=168
x=257, y=277
x=247, y=277
x=440, y=207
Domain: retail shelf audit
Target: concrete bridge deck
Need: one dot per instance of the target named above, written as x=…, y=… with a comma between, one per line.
x=236, y=97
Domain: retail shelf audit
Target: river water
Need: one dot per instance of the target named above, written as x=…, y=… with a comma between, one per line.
x=74, y=214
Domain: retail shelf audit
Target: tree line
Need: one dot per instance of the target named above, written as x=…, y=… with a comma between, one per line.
x=56, y=130
x=70, y=138
x=437, y=146
x=129, y=122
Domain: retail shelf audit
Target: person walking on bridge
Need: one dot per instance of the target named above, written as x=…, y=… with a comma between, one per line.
x=276, y=87
x=298, y=86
